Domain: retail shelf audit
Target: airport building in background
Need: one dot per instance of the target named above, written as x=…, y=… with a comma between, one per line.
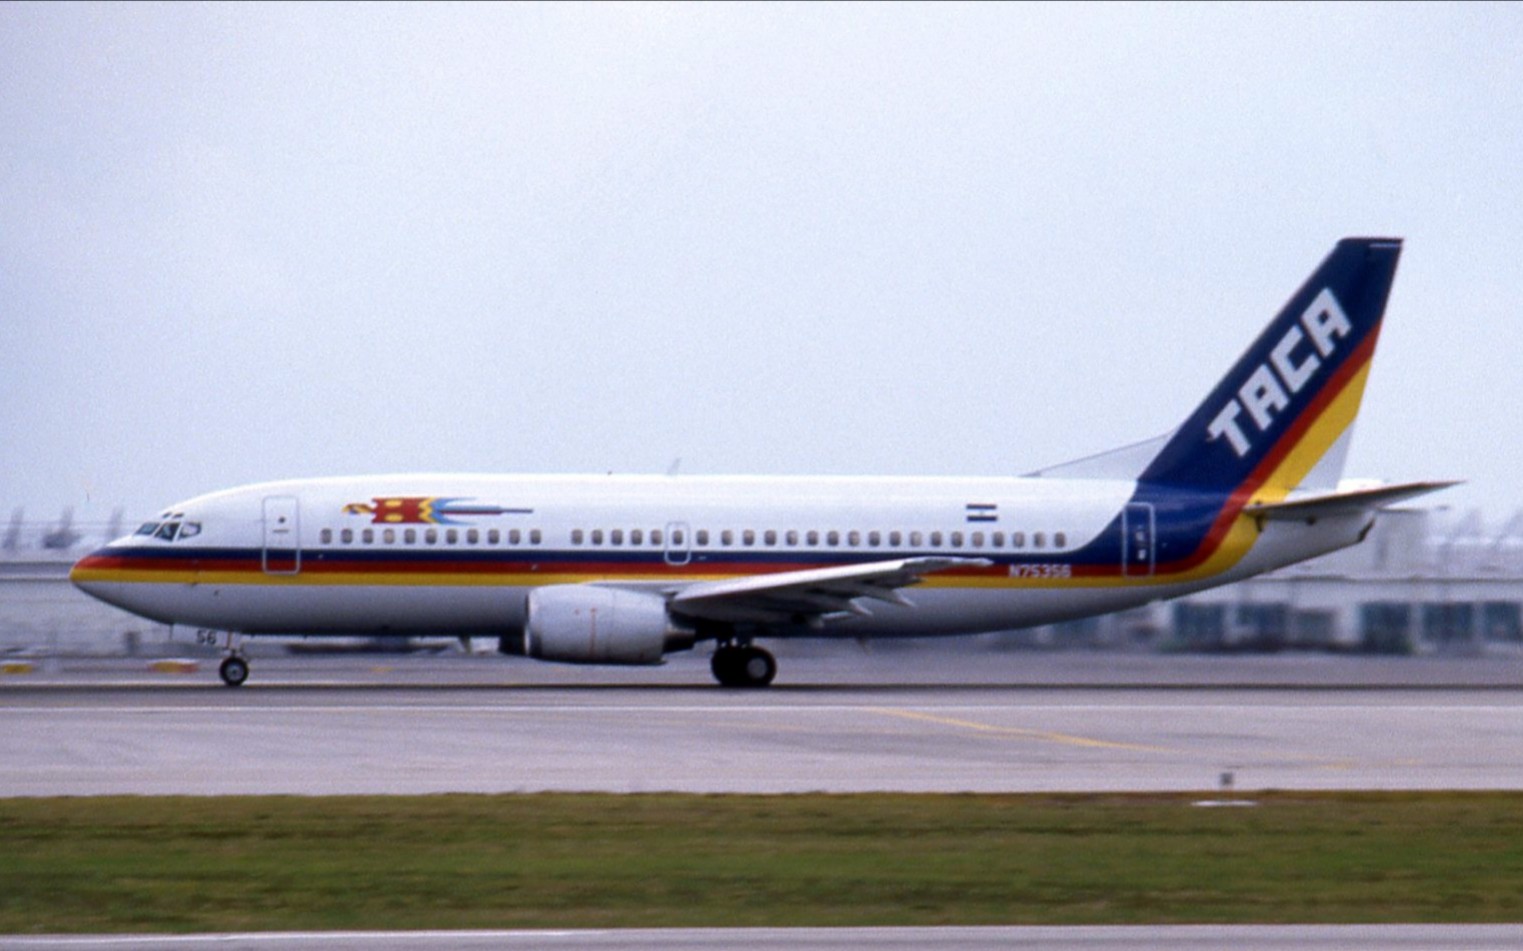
x=1423, y=582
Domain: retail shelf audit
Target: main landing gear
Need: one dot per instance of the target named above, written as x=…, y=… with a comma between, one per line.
x=743, y=666
x=235, y=667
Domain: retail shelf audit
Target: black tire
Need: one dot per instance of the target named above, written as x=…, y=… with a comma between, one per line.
x=234, y=671
x=756, y=667
x=726, y=666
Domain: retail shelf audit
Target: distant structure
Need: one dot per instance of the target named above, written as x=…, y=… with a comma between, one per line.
x=1423, y=582
x=1414, y=586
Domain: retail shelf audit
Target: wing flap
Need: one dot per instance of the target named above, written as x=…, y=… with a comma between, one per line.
x=811, y=594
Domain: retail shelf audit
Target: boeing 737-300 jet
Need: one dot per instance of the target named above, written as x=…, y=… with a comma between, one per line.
x=625, y=569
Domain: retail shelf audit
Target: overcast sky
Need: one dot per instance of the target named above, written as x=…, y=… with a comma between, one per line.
x=249, y=242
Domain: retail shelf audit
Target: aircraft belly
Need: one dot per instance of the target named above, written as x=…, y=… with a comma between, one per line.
x=349, y=609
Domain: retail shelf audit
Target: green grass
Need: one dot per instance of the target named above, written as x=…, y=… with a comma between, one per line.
x=391, y=862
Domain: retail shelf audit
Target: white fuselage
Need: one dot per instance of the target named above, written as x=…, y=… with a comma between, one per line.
x=451, y=554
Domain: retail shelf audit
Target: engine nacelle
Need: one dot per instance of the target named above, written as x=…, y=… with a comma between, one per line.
x=586, y=624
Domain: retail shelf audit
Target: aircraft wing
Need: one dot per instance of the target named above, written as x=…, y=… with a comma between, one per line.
x=1342, y=503
x=811, y=596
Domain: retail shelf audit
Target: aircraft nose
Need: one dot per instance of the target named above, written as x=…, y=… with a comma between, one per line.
x=86, y=573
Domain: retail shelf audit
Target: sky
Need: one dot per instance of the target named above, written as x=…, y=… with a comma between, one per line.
x=248, y=242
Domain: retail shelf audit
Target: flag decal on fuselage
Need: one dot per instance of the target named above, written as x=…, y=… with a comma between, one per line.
x=983, y=512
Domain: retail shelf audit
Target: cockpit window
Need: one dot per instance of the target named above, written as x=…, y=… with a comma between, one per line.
x=169, y=531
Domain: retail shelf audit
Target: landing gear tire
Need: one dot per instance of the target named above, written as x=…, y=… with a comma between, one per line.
x=743, y=667
x=234, y=671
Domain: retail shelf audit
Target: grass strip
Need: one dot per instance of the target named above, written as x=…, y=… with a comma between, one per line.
x=171, y=864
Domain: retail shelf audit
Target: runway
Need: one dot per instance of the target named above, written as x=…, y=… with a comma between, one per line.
x=428, y=732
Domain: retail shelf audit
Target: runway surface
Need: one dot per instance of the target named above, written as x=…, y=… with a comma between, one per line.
x=1131, y=938
x=359, y=726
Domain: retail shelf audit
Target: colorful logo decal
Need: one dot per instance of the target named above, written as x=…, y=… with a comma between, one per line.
x=424, y=510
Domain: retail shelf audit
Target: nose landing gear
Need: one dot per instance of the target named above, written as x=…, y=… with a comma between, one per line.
x=235, y=666
x=234, y=671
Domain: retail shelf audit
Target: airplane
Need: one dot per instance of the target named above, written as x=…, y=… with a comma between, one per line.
x=598, y=569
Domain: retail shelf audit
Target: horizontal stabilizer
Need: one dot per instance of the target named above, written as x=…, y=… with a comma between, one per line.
x=1329, y=504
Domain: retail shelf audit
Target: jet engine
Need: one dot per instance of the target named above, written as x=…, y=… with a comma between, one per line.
x=587, y=624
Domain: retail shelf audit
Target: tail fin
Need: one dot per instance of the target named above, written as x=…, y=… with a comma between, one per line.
x=1282, y=415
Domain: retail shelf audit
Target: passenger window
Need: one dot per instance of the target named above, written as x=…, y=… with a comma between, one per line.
x=534, y=536
x=616, y=536
x=727, y=538
x=655, y=536
x=326, y=536
x=1039, y=540
x=916, y=539
x=451, y=536
x=677, y=536
x=978, y=539
x=597, y=536
x=957, y=539
x=368, y=536
x=473, y=537
x=1017, y=539
x=514, y=536
x=813, y=538
x=935, y=539
x=748, y=537
x=997, y=539
x=895, y=539
x=833, y=539
x=410, y=536
x=1060, y=540
x=703, y=538
x=854, y=539
x=636, y=536
x=792, y=538
x=389, y=535
x=493, y=536
x=576, y=536
x=431, y=536
x=874, y=539
x=346, y=536
x=770, y=537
